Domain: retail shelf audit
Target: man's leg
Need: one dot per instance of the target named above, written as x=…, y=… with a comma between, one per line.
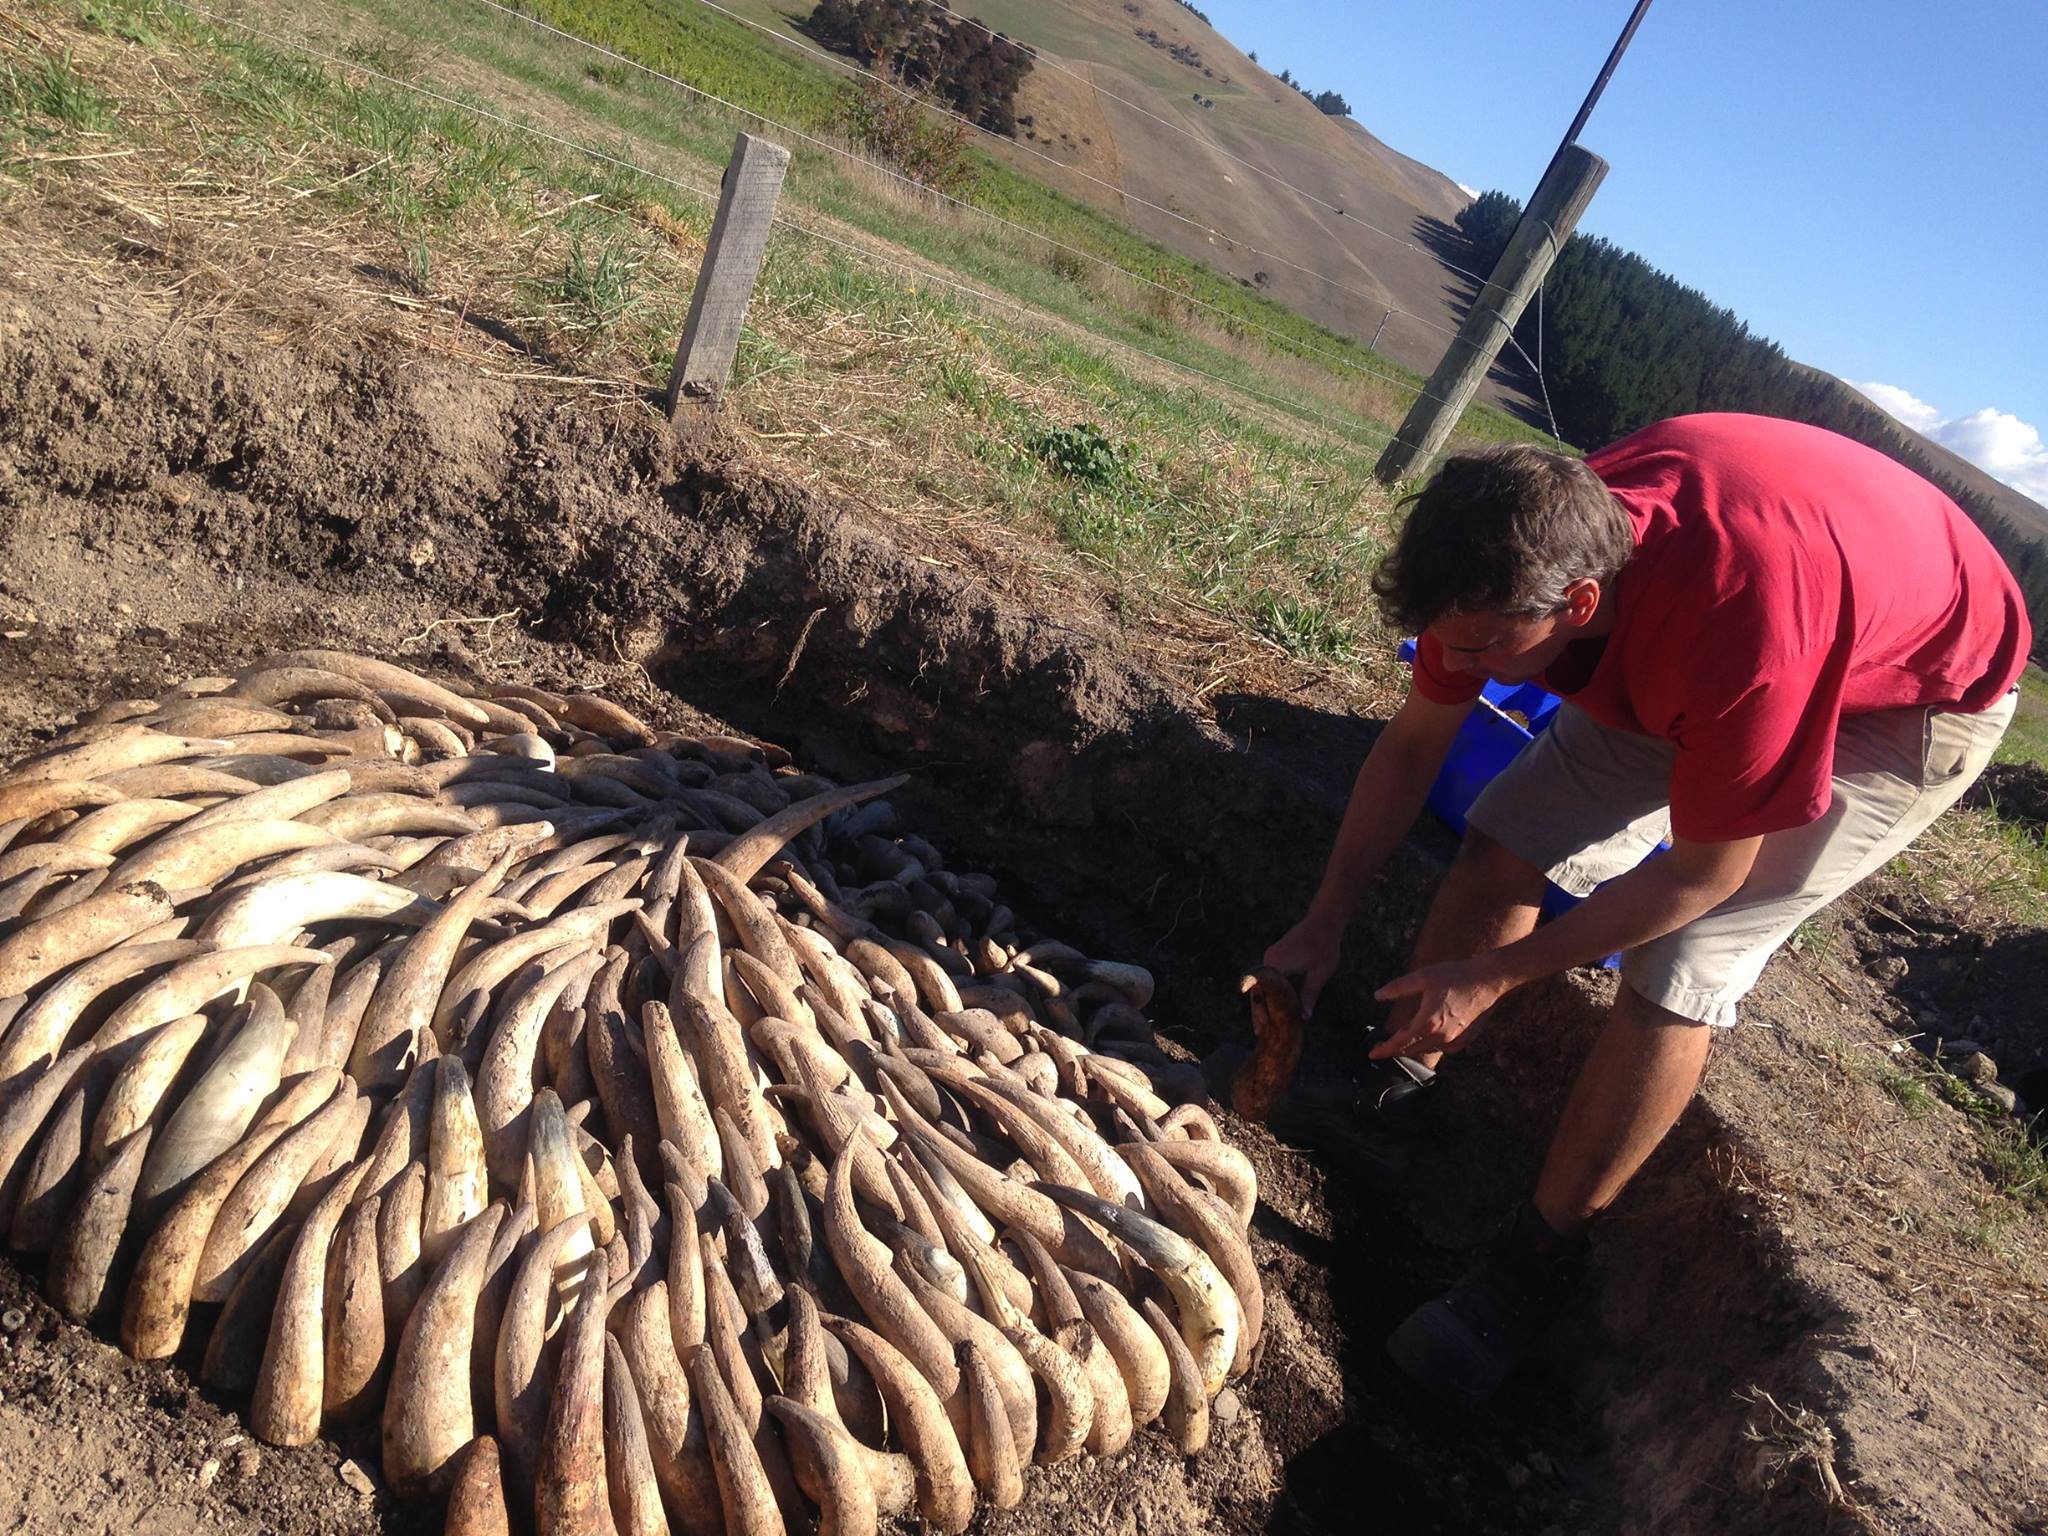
x=1636, y=1081
x=1579, y=805
x=1894, y=773
x=1489, y=899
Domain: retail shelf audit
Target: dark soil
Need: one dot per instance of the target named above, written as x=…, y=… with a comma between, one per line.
x=1782, y=1292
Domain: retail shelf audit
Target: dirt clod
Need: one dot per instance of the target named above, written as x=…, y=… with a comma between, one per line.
x=356, y=1478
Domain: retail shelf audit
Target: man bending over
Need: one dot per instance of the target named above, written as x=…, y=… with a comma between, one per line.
x=1778, y=648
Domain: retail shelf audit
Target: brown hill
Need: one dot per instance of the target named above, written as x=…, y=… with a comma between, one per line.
x=1143, y=107
x=1218, y=158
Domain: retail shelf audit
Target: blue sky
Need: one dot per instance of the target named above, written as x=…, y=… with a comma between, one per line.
x=1866, y=183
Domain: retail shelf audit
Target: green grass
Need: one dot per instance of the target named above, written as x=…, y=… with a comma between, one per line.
x=598, y=283
x=1216, y=323
x=44, y=95
x=1907, y=1089
x=1304, y=629
x=2016, y=1162
x=2014, y=1159
x=1974, y=862
x=2027, y=739
x=1815, y=938
x=1241, y=509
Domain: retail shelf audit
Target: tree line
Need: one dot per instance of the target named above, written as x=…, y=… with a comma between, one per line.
x=1624, y=345
x=1329, y=103
x=972, y=69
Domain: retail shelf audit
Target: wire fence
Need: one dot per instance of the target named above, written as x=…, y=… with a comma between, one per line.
x=1033, y=316
x=1117, y=190
x=1228, y=321
x=1228, y=317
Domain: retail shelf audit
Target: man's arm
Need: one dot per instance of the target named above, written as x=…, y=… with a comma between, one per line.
x=1653, y=899
x=1386, y=797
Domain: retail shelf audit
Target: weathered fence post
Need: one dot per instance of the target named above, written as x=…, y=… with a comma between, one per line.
x=725, y=282
x=1560, y=198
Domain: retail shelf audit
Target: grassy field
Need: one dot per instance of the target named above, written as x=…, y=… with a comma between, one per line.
x=2027, y=740
x=1104, y=279
x=1231, y=516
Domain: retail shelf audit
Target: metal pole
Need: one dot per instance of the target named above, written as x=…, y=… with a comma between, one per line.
x=1571, y=134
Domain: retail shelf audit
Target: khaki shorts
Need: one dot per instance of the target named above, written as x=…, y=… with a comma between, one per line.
x=1585, y=803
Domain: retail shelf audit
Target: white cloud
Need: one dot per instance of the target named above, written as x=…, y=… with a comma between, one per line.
x=1908, y=409
x=1471, y=192
x=1996, y=441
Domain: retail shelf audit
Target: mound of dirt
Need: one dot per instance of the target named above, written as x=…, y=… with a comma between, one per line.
x=1762, y=1350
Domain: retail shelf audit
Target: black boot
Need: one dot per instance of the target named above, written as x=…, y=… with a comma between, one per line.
x=1461, y=1346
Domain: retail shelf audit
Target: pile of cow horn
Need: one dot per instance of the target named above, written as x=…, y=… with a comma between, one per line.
x=649, y=1134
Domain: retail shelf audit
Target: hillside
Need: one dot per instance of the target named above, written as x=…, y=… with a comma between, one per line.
x=1141, y=108
x=1115, y=115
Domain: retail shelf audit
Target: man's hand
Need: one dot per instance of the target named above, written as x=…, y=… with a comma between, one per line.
x=1309, y=952
x=1449, y=1000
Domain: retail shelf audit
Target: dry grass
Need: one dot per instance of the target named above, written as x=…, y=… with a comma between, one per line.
x=1971, y=861
x=1793, y=1442
x=1234, y=552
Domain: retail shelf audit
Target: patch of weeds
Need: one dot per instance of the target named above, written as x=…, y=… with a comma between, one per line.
x=267, y=88
x=1964, y=1097
x=49, y=87
x=1906, y=1090
x=1066, y=264
x=1986, y=1230
x=1307, y=630
x=758, y=358
x=600, y=285
x=1970, y=860
x=125, y=19
x=419, y=265
x=896, y=127
x=1814, y=939
x=1082, y=452
x=396, y=59
x=1097, y=525
x=610, y=73
x=2026, y=741
x=2017, y=1163
x=959, y=381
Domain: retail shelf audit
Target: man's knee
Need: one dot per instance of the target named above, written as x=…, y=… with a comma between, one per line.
x=1634, y=1006
x=1490, y=865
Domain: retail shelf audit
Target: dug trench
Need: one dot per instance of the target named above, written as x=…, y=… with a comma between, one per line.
x=178, y=499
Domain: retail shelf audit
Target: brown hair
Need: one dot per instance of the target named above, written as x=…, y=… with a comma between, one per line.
x=1502, y=530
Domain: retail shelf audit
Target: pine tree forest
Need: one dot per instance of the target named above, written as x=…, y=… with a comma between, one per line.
x=1624, y=345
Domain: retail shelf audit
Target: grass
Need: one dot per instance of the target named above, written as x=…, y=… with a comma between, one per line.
x=1201, y=512
x=2014, y=1158
x=1305, y=629
x=598, y=284
x=2026, y=741
x=1816, y=938
x=1973, y=861
x=1907, y=1089
x=1202, y=319
x=44, y=94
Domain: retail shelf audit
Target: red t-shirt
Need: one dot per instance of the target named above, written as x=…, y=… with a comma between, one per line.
x=1784, y=576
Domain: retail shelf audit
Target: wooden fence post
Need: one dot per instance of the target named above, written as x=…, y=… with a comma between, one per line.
x=1560, y=198
x=725, y=282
